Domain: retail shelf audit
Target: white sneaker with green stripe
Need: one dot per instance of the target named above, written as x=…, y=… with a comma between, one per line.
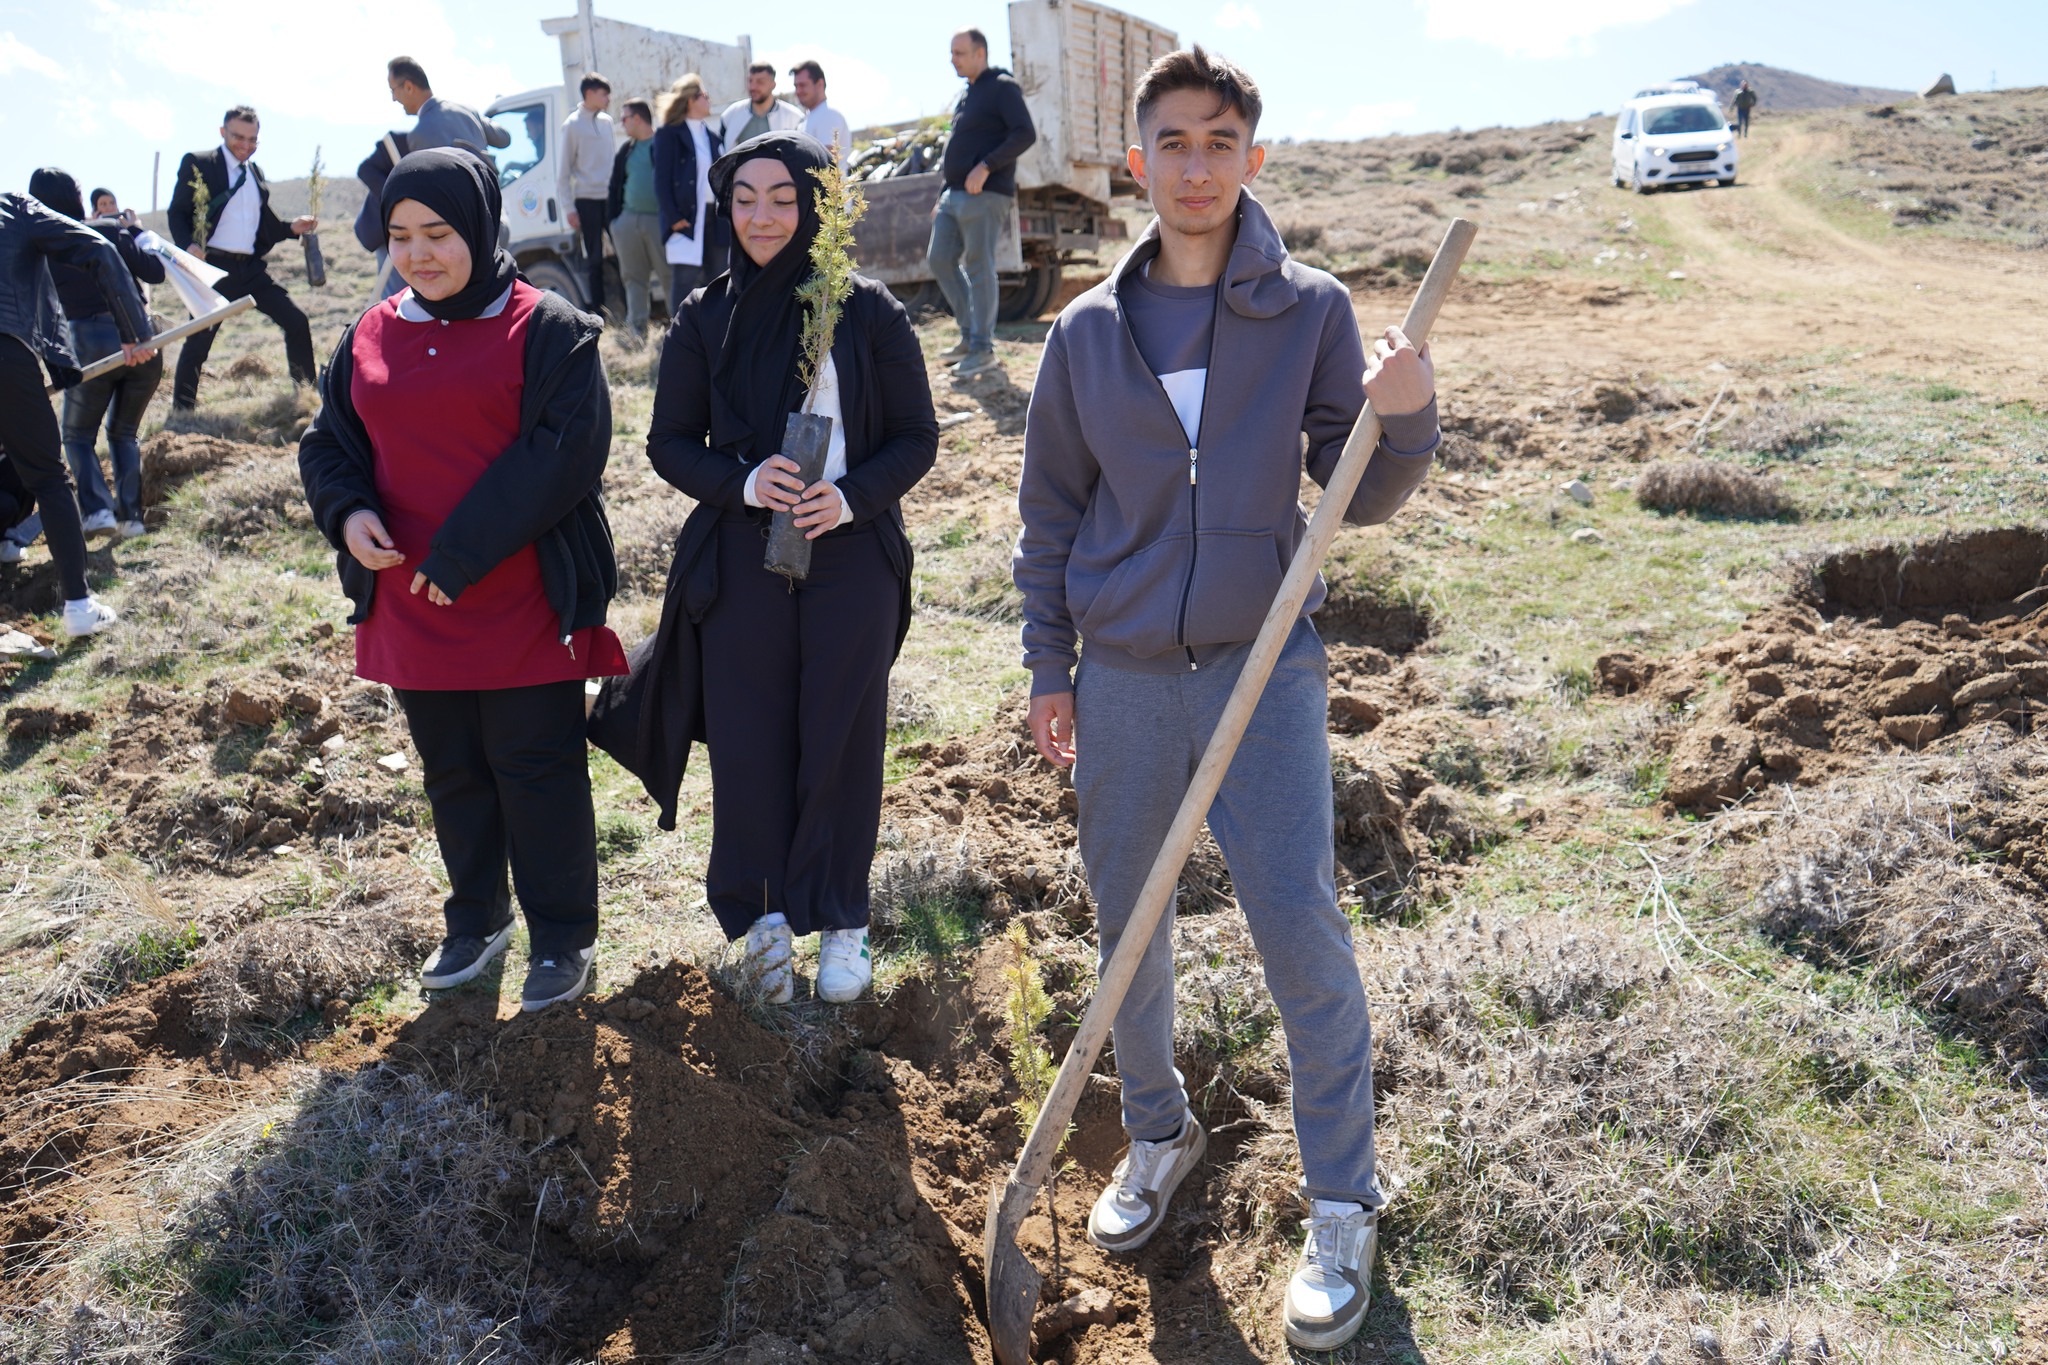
x=845, y=967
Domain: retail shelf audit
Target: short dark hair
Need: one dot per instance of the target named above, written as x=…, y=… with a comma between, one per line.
x=239, y=111
x=759, y=67
x=811, y=69
x=97, y=195
x=1193, y=69
x=406, y=69
x=639, y=108
x=977, y=37
x=593, y=81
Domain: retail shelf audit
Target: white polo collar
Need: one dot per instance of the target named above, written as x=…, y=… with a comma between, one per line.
x=412, y=312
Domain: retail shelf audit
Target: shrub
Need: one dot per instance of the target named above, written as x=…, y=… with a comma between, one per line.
x=1710, y=487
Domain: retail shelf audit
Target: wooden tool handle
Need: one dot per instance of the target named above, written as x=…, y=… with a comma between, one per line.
x=111, y=363
x=1036, y=1159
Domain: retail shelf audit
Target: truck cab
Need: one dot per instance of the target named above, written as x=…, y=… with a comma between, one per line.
x=547, y=250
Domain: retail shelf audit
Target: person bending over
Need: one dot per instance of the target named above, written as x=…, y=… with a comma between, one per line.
x=1163, y=453
x=455, y=465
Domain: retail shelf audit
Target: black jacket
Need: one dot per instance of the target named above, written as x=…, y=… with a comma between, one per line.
x=79, y=293
x=373, y=172
x=615, y=193
x=648, y=719
x=32, y=236
x=213, y=168
x=991, y=126
x=675, y=176
x=544, y=491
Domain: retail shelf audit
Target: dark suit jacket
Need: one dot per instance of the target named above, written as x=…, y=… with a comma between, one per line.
x=212, y=167
x=675, y=175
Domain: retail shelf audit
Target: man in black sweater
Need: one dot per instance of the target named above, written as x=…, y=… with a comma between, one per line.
x=991, y=129
x=239, y=231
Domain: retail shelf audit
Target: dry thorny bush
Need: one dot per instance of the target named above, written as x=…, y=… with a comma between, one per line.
x=1895, y=870
x=1559, y=1113
x=278, y=969
x=1712, y=487
x=366, y=1225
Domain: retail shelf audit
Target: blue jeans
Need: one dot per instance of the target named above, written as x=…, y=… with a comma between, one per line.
x=962, y=257
x=120, y=398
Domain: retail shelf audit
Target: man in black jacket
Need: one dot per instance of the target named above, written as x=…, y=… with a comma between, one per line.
x=991, y=129
x=237, y=234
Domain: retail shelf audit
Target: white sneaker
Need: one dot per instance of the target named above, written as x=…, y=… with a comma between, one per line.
x=99, y=523
x=1332, y=1287
x=88, y=616
x=132, y=529
x=845, y=967
x=11, y=551
x=1133, y=1205
x=767, y=965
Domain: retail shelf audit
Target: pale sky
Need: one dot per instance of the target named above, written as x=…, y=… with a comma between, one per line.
x=97, y=86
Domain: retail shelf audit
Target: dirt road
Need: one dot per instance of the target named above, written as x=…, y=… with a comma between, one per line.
x=1769, y=276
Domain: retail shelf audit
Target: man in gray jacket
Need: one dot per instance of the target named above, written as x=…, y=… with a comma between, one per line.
x=1162, y=459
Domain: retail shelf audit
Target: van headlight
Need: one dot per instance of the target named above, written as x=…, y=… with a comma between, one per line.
x=1656, y=151
x=1723, y=148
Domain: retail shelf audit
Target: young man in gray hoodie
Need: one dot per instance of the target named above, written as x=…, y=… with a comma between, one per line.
x=1162, y=460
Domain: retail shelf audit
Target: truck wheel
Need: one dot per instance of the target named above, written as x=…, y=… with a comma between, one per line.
x=557, y=278
x=1027, y=298
x=920, y=298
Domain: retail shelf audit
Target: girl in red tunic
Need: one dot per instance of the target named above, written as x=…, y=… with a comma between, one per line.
x=455, y=465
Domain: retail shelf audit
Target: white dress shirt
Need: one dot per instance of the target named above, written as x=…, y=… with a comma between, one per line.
x=826, y=123
x=235, y=228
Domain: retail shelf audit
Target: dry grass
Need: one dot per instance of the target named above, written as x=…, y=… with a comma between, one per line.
x=1967, y=163
x=1707, y=486
x=365, y=1224
x=275, y=970
x=1889, y=871
x=1779, y=430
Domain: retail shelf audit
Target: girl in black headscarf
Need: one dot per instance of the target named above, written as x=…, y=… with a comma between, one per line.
x=455, y=465
x=787, y=682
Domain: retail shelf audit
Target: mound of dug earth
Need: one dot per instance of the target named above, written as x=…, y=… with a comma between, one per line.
x=1897, y=647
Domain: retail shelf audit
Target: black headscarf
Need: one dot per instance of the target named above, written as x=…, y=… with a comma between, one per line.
x=464, y=191
x=56, y=189
x=754, y=382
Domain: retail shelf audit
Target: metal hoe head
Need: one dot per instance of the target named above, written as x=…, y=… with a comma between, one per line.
x=1013, y=1283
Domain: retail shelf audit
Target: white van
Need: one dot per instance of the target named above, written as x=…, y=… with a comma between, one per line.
x=1673, y=139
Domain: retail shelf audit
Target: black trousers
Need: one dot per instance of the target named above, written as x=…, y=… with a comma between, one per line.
x=28, y=429
x=508, y=777
x=682, y=279
x=247, y=278
x=590, y=214
x=796, y=701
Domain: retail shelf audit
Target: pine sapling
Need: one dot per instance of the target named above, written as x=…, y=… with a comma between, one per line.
x=316, y=262
x=1026, y=1007
x=202, y=211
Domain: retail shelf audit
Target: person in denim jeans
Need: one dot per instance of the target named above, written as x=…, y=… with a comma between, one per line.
x=991, y=128
x=119, y=398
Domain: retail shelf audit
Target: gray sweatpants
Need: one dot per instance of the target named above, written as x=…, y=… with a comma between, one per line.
x=1138, y=739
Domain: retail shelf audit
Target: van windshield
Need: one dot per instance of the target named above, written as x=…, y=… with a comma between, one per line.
x=1682, y=118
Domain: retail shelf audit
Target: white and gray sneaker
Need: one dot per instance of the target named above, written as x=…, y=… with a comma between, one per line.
x=1332, y=1287
x=131, y=529
x=770, y=945
x=1133, y=1205
x=845, y=966
x=11, y=551
x=87, y=616
x=100, y=523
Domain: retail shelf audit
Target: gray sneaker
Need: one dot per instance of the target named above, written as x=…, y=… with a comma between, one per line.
x=1133, y=1205
x=462, y=958
x=1332, y=1287
x=957, y=351
x=977, y=363
x=551, y=980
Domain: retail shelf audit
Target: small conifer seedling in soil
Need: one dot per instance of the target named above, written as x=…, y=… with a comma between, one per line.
x=1026, y=1007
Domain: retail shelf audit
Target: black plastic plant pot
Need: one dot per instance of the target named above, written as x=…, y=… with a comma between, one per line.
x=316, y=264
x=805, y=439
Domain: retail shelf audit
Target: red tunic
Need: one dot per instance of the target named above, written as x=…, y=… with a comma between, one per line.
x=441, y=402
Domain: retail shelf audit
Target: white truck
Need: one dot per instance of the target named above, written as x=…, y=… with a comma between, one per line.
x=1078, y=62
x=639, y=62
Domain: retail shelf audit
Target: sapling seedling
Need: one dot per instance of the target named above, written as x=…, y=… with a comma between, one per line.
x=807, y=437
x=1026, y=1007
x=316, y=263
x=202, y=208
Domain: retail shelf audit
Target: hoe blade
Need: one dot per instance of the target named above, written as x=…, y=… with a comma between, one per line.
x=1013, y=1282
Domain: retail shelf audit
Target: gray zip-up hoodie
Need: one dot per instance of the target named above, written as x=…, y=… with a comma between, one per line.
x=1163, y=556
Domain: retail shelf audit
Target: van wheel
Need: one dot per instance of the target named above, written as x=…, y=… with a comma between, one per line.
x=555, y=277
x=1725, y=181
x=1640, y=185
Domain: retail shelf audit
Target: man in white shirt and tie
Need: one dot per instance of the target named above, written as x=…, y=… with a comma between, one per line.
x=235, y=234
x=821, y=120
